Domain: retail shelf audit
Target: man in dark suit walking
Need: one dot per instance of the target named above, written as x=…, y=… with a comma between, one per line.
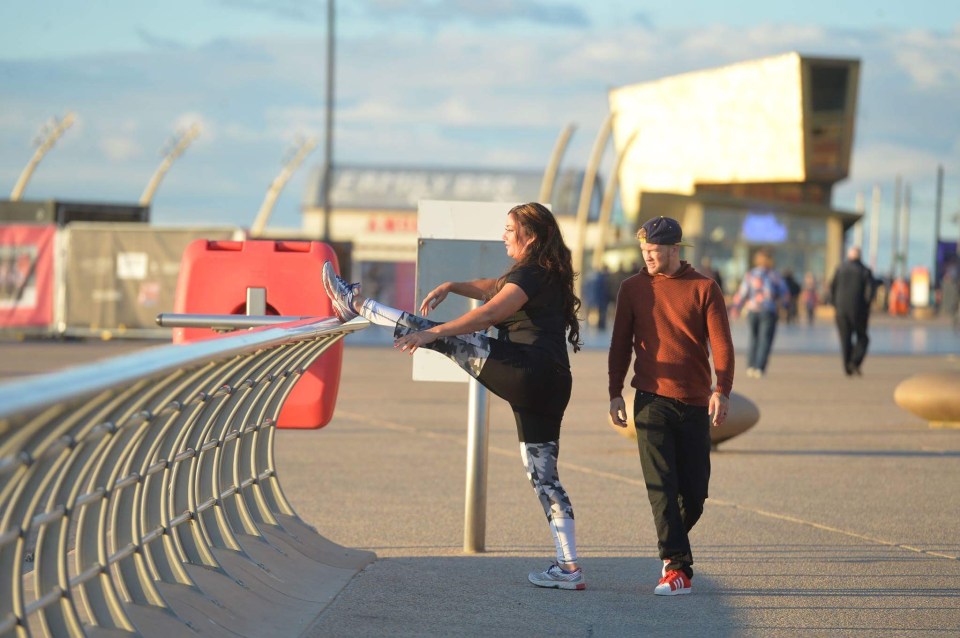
x=852, y=290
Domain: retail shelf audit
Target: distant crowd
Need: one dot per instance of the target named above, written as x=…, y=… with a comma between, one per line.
x=796, y=297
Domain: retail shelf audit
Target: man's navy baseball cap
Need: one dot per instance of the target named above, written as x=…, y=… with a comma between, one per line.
x=662, y=231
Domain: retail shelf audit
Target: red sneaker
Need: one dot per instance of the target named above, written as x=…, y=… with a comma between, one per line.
x=674, y=583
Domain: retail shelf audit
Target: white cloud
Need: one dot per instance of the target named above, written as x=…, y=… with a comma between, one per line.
x=242, y=134
x=720, y=44
x=931, y=60
x=446, y=97
x=457, y=110
x=882, y=162
x=119, y=148
x=373, y=109
x=15, y=122
x=290, y=123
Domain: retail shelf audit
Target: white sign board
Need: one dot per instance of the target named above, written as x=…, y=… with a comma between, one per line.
x=458, y=241
x=132, y=266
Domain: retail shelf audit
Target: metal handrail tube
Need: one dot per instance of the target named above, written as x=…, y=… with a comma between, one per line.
x=33, y=394
x=222, y=322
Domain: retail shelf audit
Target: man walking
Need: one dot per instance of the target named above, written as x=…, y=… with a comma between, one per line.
x=852, y=290
x=763, y=293
x=670, y=317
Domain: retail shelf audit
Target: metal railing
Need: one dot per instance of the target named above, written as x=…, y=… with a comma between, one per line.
x=139, y=495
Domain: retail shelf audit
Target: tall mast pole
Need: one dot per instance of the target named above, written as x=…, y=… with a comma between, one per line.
x=328, y=142
x=45, y=145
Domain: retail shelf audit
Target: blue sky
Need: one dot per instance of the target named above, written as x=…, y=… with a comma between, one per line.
x=453, y=83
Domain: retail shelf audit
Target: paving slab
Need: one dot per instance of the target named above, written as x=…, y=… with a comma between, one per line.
x=836, y=515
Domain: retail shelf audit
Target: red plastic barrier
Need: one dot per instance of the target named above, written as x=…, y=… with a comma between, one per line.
x=214, y=278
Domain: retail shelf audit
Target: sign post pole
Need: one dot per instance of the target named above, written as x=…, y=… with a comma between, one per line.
x=478, y=431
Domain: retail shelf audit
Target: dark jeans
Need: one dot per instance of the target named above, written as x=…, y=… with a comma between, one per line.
x=853, y=339
x=763, y=327
x=674, y=442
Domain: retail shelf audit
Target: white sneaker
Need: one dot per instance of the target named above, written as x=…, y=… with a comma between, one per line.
x=558, y=579
x=340, y=292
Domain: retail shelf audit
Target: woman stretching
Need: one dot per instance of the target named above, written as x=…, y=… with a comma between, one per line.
x=534, y=307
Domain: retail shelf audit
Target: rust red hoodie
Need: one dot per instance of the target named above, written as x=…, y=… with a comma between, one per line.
x=671, y=323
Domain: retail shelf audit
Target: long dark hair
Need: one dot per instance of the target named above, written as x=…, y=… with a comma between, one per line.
x=548, y=251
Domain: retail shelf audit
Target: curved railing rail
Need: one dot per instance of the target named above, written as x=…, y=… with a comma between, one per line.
x=139, y=495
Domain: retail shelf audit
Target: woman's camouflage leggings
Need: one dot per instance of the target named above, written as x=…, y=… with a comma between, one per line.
x=471, y=352
x=540, y=460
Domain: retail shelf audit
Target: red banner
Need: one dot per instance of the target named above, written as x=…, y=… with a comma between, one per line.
x=26, y=275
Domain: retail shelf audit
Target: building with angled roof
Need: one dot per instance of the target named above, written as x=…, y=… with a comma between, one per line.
x=744, y=156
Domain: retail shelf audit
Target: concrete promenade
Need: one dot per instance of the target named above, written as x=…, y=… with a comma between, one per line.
x=837, y=515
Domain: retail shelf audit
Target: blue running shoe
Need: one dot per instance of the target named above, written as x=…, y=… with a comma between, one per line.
x=340, y=292
x=558, y=579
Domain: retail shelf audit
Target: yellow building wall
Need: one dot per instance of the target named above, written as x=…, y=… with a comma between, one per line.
x=739, y=123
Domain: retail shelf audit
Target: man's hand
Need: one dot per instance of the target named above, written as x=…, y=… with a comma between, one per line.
x=618, y=412
x=718, y=408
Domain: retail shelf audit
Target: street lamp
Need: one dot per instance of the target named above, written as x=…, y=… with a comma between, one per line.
x=586, y=194
x=177, y=147
x=553, y=166
x=606, y=205
x=302, y=148
x=53, y=132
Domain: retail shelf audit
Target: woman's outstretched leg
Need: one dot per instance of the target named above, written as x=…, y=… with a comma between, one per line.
x=469, y=351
